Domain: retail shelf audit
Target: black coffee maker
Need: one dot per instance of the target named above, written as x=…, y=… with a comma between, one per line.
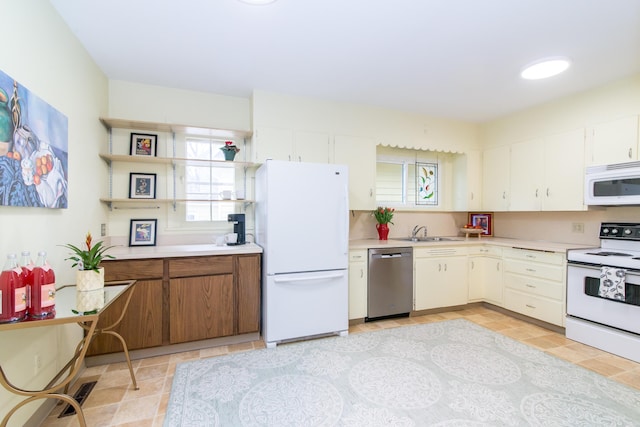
x=238, y=228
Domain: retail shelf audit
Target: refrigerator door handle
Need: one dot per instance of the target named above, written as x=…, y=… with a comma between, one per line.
x=289, y=279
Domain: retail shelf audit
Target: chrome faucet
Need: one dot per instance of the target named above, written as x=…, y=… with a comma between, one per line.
x=416, y=230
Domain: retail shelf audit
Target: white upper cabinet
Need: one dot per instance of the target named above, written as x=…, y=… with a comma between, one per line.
x=548, y=173
x=467, y=185
x=359, y=153
x=615, y=141
x=496, y=178
x=286, y=144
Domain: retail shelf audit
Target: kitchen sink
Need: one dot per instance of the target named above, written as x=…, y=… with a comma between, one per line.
x=429, y=239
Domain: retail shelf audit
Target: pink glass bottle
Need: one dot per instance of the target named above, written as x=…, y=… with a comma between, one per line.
x=13, y=293
x=43, y=291
x=27, y=265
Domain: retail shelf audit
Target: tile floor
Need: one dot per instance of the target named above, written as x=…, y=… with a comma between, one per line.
x=113, y=402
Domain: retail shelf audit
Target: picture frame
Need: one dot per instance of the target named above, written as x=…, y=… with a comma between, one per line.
x=485, y=220
x=142, y=185
x=144, y=144
x=143, y=232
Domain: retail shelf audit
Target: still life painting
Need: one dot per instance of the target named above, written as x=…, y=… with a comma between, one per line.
x=33, y=149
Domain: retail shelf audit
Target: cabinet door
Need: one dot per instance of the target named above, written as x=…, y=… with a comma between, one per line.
x=359, y=153
x=248, y=282
x=476, y=276
x=527, y=175
x=440, y=282
x=564, y=172
x=496, y=178
x=201, y=308
x=141, y=326
x=615, y=141
x=358, y=285
x=273, y=143
x=467, y=181
x=311, y=147
x=493, y=286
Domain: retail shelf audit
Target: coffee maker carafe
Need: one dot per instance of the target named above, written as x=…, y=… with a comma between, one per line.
x=238, y=228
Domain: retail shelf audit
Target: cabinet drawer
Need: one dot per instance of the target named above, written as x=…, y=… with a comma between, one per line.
x=485, y=250
x=542, y=271
x=439, y=251
x=134, y=269
x=537, y=307
x=535, y=286
x=200, y=266
x=555, y=258
x=358, y=255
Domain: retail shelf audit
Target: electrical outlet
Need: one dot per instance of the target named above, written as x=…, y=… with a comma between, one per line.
x=577, y=227
x=103, y=230
x=37, y=364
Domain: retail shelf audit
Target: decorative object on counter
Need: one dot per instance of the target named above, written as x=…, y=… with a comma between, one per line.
x=483, y=220
x=42, y=300
x=384, y=217
x=471, y=230
x=143, y=144
x=90, y=276
x=229, y=150
x=13, y=307
x=143, y=232
x=142, y=185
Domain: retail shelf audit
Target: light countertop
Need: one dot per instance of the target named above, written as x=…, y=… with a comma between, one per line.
x=171, y=251
x=472, y=240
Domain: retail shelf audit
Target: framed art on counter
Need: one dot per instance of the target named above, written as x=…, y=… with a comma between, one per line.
x=144, y=144
x=142, y=185
x=484, y=220
x=143, y=232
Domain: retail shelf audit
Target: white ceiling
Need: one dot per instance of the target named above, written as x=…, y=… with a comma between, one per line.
x=449, y=58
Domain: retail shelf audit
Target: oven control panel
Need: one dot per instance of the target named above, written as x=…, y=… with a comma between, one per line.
x=620, y=230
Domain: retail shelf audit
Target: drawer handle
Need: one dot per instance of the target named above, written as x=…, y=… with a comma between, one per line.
x=531, y=306
x=530, y=256
x=361, y=273
x=530, y=286
x=530, y=270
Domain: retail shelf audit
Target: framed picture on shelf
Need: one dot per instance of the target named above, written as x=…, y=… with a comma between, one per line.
x=484, y=220
x=144, y=144
x=142, y=185
x=143, y=232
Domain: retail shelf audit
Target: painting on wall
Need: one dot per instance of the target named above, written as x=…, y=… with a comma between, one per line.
x=33, y=149
x=427, y=184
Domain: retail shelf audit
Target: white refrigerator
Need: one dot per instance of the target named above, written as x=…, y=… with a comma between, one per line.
x=302, y=224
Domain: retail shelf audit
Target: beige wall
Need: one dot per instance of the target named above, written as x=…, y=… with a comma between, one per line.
x=39, y=51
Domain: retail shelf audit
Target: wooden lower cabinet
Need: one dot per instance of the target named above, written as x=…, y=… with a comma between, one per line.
x=184, y=299
x=201, y=308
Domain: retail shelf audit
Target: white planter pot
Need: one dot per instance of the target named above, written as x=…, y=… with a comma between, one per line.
x=89, y=290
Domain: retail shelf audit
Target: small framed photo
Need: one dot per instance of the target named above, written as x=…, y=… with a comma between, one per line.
x=143, y=232
x=142, y=185
x=484, y=220
x=144, y=144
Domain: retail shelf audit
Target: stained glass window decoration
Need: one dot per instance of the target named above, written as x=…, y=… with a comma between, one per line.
x=426, y=183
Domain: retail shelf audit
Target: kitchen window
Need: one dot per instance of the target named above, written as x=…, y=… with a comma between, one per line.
x=206, y=181
x=396, y=176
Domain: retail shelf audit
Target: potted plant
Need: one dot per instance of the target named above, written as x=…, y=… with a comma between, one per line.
x=384, y=217
x=90, y=276
x=229, y=150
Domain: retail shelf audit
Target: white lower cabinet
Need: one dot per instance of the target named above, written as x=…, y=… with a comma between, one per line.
x=440, y=277
x=485, y=274
x=358, y=260
x=535, y=284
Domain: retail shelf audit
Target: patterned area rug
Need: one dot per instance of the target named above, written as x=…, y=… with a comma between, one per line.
x=451, y=373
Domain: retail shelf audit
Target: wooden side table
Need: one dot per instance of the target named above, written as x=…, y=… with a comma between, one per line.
x=90, y=323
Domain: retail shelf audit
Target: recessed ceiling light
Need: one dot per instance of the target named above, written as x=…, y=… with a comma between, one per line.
x=257, y=1
x=545, y=68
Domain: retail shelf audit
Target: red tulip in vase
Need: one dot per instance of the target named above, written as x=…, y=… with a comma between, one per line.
x=384, y=217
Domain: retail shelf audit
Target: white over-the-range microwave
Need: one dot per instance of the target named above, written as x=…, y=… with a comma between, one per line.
x=614, y=184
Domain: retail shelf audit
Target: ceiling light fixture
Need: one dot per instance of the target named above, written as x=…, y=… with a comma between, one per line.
x=544, y=68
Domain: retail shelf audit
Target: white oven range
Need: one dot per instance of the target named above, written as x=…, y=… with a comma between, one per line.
x=603, y=292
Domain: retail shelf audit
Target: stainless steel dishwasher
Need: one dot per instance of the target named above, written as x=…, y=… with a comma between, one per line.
x=390, y=282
